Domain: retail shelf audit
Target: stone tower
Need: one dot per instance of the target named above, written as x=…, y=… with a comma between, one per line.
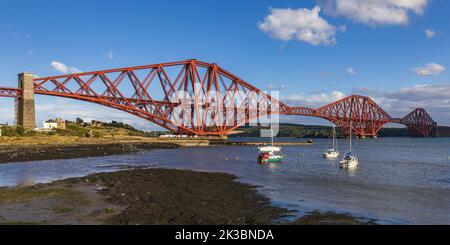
x=25, y=114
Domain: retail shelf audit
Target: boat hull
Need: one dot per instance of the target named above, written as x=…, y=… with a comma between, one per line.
x=349, y=163
x=330, y=155
x=275, y=159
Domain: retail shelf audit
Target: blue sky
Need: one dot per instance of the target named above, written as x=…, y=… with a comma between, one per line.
x=314, y=52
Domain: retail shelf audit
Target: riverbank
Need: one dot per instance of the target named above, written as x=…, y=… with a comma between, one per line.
x=147, y=196
x=33, y=152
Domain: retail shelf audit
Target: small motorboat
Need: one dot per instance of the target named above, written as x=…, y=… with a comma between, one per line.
x=270, y=154
x=270, y=157
x=333, y=152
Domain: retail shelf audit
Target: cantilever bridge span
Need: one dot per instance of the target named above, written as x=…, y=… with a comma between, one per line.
x=198, y=98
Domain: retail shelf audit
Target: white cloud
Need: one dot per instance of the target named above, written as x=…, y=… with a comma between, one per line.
x=422, y=92
x=313, y=100
x=376, y=12
x=58, y=66
x=429, y=33
x=429, y=69
x=74, y=70
x=435, y=98
x=300, y=24
x=109, y=55
x=351, y=71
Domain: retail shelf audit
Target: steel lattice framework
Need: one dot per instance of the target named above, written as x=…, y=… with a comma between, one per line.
x=10, y=92
x=360, y=113
x=199, y=98
x=419, y=122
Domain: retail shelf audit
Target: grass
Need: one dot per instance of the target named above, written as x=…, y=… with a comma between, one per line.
x=73, y=134
x=70, y=197
x=107, y=211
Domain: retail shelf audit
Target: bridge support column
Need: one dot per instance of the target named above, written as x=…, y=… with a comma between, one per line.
x=25, y=111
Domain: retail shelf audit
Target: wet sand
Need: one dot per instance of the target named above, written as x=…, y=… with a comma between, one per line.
x=148, y=196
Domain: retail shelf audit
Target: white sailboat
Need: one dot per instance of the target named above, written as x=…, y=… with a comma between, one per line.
x=350, y=160
x=333, y=152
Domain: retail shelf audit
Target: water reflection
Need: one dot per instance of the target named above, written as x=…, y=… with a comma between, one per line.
x=351, y=171
x=273, y=166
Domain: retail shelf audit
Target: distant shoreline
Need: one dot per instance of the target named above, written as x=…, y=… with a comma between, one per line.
x=19, y=153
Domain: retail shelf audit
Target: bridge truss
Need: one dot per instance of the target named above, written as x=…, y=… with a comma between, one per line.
x=198, y=98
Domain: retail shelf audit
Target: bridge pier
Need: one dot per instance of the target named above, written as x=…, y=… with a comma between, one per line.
x=25, y=111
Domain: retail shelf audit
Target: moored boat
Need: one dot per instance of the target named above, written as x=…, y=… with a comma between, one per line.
x=270, y=154
x=350, y=160
x=270, y=157
x=333, y=152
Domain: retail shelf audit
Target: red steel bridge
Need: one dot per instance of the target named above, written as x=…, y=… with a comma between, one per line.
x=152, y=92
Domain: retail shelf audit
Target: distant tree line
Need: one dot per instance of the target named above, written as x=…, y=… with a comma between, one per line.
x=314, y=131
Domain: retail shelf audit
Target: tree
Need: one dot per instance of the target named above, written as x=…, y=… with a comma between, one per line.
x=79, y=121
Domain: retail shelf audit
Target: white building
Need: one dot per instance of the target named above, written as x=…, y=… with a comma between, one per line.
x=50, y=124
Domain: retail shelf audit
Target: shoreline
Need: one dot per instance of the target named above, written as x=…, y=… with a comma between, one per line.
x=75, y=147
x=36, y=152
x=150, y=196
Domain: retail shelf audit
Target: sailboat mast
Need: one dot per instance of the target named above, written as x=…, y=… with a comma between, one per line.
x=271, y=133
x=334, y=138
x=351, y=136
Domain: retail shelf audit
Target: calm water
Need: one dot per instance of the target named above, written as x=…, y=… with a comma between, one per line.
x=398, y=180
